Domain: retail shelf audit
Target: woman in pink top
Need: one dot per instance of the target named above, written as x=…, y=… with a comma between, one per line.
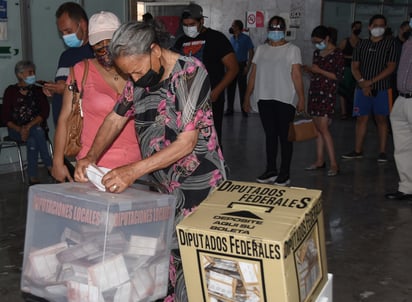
x=103, y=85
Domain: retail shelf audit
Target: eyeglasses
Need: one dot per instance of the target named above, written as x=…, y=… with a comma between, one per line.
x=276, y=27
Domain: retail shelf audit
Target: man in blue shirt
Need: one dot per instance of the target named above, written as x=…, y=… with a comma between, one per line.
x=244, y=49
x=72, y=23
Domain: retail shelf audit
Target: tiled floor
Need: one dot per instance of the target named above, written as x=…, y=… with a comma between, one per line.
x=368, y=238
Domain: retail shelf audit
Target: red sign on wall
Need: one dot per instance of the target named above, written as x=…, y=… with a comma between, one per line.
x=255, y=19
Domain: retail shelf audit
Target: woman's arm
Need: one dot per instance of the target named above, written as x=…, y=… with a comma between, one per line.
x=123, y=177
x=108, y=131
x=250, y=87
x=59, y=170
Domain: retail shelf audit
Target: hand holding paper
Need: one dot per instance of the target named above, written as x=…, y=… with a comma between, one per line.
x=95, y=175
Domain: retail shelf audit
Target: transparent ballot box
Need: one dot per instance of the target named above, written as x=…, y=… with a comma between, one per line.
x=86, y=245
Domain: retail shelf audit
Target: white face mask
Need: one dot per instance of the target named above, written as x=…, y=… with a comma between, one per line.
x=190, y=31
x=377, y=31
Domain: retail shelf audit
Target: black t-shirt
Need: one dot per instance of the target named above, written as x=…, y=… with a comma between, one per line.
x=209, y=47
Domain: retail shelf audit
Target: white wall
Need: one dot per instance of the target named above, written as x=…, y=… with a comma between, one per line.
x=47, y=45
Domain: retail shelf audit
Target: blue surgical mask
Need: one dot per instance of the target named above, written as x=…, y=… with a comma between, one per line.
x=30, y=80
x=321, y=45
x=71, y=40
x=276, y=35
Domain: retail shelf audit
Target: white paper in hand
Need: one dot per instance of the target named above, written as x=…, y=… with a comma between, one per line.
x=95, y=175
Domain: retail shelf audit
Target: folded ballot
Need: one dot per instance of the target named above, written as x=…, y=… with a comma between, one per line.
x=95, y=175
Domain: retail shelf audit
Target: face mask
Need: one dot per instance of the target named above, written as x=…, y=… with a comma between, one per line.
x=190, y=31
x=71, y=40
x=104, y=60
x=357, y=32
x=377, y=32
x=231, y=31
x=276, y=35
x=30, y=80
x=321, y=45
x=150, y=79
x=406, y=35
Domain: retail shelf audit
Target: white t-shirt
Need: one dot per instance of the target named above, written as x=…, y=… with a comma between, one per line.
x=274, y=72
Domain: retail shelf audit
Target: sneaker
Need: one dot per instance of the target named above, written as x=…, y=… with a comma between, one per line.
x=382, y=158
x=267, y=177
x=352, y=155
x=282, y=180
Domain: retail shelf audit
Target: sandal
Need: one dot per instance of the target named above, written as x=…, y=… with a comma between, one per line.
x=315, y=167
x=333, y=172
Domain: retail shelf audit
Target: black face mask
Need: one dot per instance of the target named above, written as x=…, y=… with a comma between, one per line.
x=406, y=35
x=357, y=32
x=231, y=31
x=150, y=78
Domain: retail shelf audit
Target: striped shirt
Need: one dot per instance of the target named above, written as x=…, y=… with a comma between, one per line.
x=373, y=58
x=405, y=68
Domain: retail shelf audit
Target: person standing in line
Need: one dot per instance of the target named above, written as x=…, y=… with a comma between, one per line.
x=279, y=94
x=103, y=85
x=374, y=60
x=244, y=49
x=215, y=51
x=72, y=23
x=326, y=71
x=346, y=87
x=401, y=120
x=403, y=35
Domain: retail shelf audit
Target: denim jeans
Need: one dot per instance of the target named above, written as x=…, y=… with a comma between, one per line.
x=36, y=143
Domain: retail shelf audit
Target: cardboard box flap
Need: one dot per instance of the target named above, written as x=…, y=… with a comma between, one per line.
x=263, y=198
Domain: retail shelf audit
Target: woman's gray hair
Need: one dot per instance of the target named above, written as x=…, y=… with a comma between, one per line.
x=21, y=66
x=136, y=38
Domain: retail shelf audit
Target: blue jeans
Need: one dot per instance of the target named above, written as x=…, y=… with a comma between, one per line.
x=36, y=143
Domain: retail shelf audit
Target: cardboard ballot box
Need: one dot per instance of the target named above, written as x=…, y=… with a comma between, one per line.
x=84, y=245
x=254, y=242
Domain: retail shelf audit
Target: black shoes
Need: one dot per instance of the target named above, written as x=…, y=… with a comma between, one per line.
x=282, y=180
x=267, y=177
x=399, y=196
x=352, y=155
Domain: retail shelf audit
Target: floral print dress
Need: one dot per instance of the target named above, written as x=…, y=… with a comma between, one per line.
x=180, y=103
x=322, y=90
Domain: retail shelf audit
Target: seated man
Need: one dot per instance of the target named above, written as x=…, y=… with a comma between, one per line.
x=25, y=112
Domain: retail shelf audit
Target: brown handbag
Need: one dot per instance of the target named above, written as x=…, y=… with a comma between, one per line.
x=75, y=120
x=302, y=129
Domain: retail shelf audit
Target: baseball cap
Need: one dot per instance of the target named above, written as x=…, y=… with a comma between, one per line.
x=102, y=26
x=193, y=11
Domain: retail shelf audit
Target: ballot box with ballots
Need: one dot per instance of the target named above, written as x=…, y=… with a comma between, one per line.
x=256, y=243
x=87, y=245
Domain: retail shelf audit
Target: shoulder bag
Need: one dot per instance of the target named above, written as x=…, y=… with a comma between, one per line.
x=302, y=128
x=75, y=120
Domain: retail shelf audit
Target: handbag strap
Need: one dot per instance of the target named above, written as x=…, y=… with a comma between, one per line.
x=86, y=71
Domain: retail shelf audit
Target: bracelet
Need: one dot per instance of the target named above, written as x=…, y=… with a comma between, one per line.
x=361, y=80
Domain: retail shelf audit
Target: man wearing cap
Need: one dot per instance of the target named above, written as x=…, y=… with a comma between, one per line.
x=215, y=51
x=401, y=120
x=72, y=23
